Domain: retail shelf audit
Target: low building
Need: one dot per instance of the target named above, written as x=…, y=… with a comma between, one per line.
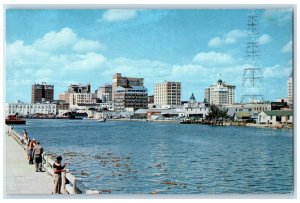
x=275, y=117
x=194, y=109
x=242, y=116
x=253, y=109
x=156, y=114
x=107, y=105
x=23, y=109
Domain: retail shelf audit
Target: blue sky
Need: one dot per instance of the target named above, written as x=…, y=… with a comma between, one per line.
x=194, y=47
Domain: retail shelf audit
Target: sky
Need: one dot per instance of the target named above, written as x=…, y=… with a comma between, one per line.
x=193, y=46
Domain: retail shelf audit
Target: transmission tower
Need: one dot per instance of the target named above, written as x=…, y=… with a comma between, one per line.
x=252, y=74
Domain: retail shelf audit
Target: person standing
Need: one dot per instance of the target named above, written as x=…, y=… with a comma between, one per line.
x=31, y=146
x=37, y=155
x=25, y=139
x=58, y=168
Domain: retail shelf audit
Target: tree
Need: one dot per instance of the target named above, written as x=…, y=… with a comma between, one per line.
x=216, y=115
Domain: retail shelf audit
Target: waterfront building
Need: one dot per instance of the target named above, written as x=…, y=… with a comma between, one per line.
x=252, y=108
x=194, y=109
x=167, y=93
x=42, y=93
x=220, y=93
x=157, y=114
x=81, y=98
x=107, y=105
x=119, y=80
x=290, y=89
x=104, y=93
x=134, y=97
x=23, y=109
x=276, y=117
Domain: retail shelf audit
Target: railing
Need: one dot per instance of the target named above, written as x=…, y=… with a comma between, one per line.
x=69, y=181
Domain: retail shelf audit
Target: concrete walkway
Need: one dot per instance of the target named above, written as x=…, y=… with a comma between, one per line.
x=20, y=178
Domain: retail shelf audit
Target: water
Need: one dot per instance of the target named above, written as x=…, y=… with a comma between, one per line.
x=132, y=157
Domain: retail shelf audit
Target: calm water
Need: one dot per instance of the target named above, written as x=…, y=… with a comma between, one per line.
x=149, y=157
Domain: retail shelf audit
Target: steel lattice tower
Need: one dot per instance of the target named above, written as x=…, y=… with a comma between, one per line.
x=252, y=76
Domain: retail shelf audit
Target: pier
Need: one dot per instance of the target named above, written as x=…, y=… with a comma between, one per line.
x=21, y=179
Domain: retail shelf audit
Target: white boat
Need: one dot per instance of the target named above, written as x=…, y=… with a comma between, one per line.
x=102, y=120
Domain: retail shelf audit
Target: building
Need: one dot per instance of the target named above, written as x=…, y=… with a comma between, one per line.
x=119, y=80
x=167, y=93
x=275, y=117
x=23, y=109
x=79, y=88
x=76, y=99
x=42, y=93
x=151, y=99
x=220, y=93
x=104, y=93
x=290, y=89
x=194, y=109
x=239, y=110
x=65, y=97
x=130, y=97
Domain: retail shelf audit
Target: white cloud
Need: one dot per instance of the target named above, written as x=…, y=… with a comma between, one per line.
x=276, y=72
x=215, y=42
x=231, y=37
x=56, y=40
x=277, y=16
x=83, y=45
x=88, y=61
x=212, y=58
x=264, y=39
x=116, y=15
x=19, y=54
x=287, y=48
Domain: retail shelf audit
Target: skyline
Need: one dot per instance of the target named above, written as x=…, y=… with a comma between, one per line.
x=189, y=46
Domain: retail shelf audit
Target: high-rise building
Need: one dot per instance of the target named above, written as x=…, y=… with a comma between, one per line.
x=220, y=93
x=167, y=93
x=290, y=89
x=42, y=93
x=119, y=80
x=131, y=97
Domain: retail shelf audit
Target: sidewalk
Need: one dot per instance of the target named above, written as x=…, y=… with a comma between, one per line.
x=20, y=178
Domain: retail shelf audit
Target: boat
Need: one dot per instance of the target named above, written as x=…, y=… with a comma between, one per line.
x=12, y=119
x=101, y=120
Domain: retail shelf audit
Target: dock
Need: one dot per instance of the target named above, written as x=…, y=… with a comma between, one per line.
x=20, y=178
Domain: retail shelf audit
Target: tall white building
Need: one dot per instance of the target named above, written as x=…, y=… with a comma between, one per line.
x=220, y=93
x=167, y=93
x=290, y=89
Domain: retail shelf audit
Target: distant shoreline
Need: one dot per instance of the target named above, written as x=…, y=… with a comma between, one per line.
x=277, y=126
